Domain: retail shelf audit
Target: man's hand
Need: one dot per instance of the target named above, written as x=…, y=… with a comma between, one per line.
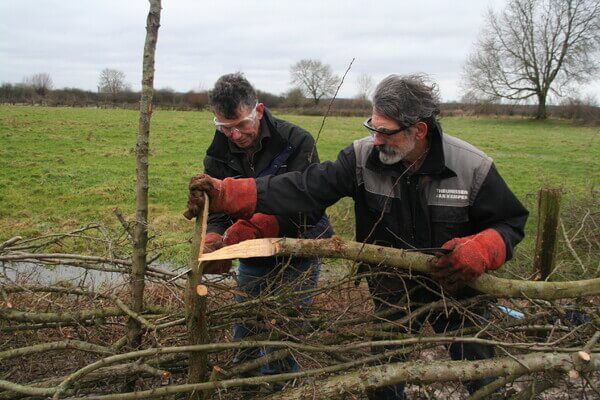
x=236, y=197
x=259, y=226
x=200, y=184
x=471, y=256
x=214, y=241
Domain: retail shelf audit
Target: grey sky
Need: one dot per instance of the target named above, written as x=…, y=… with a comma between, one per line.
x=73, y=40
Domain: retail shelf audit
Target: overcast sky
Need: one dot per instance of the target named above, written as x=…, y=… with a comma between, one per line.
x=73, y=40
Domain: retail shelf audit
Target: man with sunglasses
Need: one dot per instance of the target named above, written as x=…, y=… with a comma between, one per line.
x=413, y=187
x=250, y=143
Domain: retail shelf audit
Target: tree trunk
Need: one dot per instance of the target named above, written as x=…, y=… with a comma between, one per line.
x=140, y=238
x=541, y=109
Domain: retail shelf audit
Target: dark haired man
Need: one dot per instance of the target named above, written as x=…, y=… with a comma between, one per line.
x=250, y=143
x=413, y=187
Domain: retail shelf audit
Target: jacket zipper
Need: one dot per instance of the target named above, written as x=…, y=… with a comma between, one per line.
x=413, y=192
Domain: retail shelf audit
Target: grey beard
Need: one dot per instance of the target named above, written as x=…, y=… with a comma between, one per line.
x=389, y=155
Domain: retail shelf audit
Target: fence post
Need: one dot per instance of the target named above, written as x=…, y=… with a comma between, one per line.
x=196, y=307
x=545, y=247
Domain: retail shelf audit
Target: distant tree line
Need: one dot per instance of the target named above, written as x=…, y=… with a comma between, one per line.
x=314, y=83
x=293, y=101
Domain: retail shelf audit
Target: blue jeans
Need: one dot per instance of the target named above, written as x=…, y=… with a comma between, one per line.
x=293, y=275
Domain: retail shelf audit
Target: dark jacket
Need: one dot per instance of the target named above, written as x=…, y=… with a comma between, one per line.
x=456, y=192
x=284, y=147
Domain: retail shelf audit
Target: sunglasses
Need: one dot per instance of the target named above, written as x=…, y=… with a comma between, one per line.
x=386, y=132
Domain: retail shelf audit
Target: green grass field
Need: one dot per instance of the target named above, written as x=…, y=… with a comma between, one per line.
x=61, y=168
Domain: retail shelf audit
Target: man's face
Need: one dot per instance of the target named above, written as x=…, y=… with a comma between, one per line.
x=244, y=130
x=396, y=147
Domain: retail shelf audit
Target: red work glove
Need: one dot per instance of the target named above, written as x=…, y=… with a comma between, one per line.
x=257, y=227
x=236, y=197
x=471, y=256
x=214, y=241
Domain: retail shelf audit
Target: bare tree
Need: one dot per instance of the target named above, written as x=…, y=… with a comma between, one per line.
x=534, y=48
x=112, y=82
x=365, y=85
x=40, y=83
x=314, y=78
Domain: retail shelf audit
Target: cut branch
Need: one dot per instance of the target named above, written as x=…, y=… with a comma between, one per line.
x=429, y=372
x=399, y=258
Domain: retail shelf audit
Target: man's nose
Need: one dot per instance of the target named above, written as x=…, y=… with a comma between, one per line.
x=235, y=134
x=378, y=139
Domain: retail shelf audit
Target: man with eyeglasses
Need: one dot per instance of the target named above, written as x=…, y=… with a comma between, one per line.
x=413, y=187
x=250, y=143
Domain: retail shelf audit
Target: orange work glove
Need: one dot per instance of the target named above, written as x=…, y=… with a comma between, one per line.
x=257, y=227
x=214, y=241
x=471, y=256
x=236, y=197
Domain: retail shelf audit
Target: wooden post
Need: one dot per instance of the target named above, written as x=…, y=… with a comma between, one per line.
x=545, y=248
x=196, y=306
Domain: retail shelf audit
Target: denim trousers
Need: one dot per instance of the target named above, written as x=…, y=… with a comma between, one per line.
x=289, y=276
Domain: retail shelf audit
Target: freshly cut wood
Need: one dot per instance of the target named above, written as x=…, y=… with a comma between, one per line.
x=584, y=356
x=398, y=258
x=202, y=290
x=246, y=249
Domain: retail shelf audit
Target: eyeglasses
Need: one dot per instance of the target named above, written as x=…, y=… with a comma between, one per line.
x=245, y=124
x=386, y=132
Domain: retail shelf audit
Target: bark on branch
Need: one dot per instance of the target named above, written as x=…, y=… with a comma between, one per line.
x=441, y=371
x=398, y=258
x=140, y=234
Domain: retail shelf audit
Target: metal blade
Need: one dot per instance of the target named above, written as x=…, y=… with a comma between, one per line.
x=435, y=251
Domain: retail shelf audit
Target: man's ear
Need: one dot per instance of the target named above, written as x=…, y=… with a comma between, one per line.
x=422, y=130
x=260, y=110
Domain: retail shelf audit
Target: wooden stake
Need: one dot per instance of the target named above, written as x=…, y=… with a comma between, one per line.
x=545, y=248
x=196, y=305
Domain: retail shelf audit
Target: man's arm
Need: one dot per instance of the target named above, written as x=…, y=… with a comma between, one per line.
x=217, y=222
x=302, y=224
x=498, y=219
x=317, y=187
x=498, y=208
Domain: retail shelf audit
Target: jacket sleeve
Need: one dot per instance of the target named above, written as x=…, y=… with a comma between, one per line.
x=299, y=223
x=495, y=206
x=316, y=188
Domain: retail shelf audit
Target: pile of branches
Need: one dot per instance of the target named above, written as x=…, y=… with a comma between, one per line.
x=68, y=339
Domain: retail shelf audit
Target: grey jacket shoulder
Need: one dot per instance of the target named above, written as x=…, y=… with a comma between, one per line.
x=372, y=181
x=466, y=160
x=470, y=165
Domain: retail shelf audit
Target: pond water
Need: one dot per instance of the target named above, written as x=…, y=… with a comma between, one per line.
x=33, y=273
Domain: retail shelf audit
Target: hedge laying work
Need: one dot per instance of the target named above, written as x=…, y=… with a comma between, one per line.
x=120, y=325
x=542, y=329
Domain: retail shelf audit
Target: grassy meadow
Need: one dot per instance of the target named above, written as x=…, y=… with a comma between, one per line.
x=62, y=168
